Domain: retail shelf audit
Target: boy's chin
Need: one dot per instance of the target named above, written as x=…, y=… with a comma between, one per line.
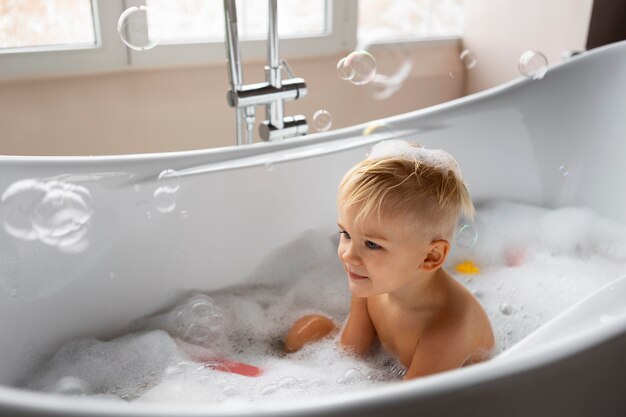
x=360, y=289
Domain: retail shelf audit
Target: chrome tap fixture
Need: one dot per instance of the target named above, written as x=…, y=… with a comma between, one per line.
x=272, y=93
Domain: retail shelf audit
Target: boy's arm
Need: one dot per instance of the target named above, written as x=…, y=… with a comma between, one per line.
x=359, y=332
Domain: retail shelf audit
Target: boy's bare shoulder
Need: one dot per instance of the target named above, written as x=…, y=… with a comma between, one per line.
x=463, y=323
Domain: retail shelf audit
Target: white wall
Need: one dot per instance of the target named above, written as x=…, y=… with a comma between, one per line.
x=500, y=31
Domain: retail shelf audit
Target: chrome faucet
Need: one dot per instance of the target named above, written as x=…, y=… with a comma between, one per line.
x=272, y=93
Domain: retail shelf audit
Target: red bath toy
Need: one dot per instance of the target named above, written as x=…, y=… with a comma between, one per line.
x=212, y=360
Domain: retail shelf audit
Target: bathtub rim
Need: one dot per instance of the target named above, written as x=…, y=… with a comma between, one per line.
x=218, y=154
x=21, y=400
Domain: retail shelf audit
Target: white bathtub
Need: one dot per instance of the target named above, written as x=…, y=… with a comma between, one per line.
x=238, y=209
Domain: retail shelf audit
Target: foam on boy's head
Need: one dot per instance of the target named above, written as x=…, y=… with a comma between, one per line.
x=400, y=178
x=398, y=148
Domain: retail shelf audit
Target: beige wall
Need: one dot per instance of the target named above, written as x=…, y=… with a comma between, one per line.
x=171, y=109
x=500, y=31
x=185, y=108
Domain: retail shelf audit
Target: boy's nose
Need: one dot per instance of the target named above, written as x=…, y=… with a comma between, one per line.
x=349, y=255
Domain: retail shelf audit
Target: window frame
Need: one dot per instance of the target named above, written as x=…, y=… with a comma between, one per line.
x=341, y=15
x=110, y=54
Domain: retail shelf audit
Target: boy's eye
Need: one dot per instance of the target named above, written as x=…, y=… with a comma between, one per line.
x=372, y=245
x=345, y=234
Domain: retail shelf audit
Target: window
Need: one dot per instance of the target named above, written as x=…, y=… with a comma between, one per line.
x=203, y=20
x=193, y=30
x=40, y=23
x=48, y=37
x=398, y=19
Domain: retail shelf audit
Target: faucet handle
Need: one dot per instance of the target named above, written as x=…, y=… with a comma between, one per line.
x=292, y=126
x=287, y=68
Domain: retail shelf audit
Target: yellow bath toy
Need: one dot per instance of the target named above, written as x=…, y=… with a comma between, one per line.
x=467, y=267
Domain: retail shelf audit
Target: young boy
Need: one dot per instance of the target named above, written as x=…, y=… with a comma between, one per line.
x=398, y=211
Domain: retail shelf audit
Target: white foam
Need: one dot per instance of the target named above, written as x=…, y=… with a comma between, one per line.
x=436, y=158
x=534, y=263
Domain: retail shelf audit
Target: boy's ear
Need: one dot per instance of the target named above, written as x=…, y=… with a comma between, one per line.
x=436, y=255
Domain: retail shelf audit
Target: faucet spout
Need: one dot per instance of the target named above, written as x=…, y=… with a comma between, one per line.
x=272, y=94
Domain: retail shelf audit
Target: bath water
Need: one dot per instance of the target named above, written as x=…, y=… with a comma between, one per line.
x=533, y=263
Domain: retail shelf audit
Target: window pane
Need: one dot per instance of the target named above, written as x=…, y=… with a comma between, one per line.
x=385, y=19
x=28, y=23
x=201, y=20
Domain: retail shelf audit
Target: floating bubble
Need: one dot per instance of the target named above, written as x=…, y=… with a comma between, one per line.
x=345, y=73
x=269, y=389
x=533, y=64
x=393, y=66
x=139, y=28
x=62, y=216
x=397, y=370
x=54, y=212
x=288, y=382
x=197, y=321
x=322, y=120
x=19, y=202
x=468, y=58
x=164, y=200
x=361, y=65
x=451, y=75
x=169, y=180
x=351, y=376
x=466, y=237
x=506, y=309
x=564, y=170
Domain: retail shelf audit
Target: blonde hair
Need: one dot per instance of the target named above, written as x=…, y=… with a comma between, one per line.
x=434, y=196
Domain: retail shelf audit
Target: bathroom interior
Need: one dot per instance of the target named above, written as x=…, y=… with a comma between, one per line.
x=110, y=122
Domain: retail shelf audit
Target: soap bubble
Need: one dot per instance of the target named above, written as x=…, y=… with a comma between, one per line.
x=393, y=67
x=196, y=321
x=351, y=376
x=231, y=390
x=269, y=389
x=533, y=64
x=164, y=200
x=345, y=73
x=466, y=237
x=169, y=180
x=288, y=382
x=322, y=120
x=54, y=212
x=564, y=170
x=19, y=202
x=359, y=67
x=397, y=370
x=506, y=309
x=62, y=215
x=139, y=28
x=468, y=58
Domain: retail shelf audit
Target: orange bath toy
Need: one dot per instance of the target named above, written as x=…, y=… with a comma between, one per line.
x=307, y=329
